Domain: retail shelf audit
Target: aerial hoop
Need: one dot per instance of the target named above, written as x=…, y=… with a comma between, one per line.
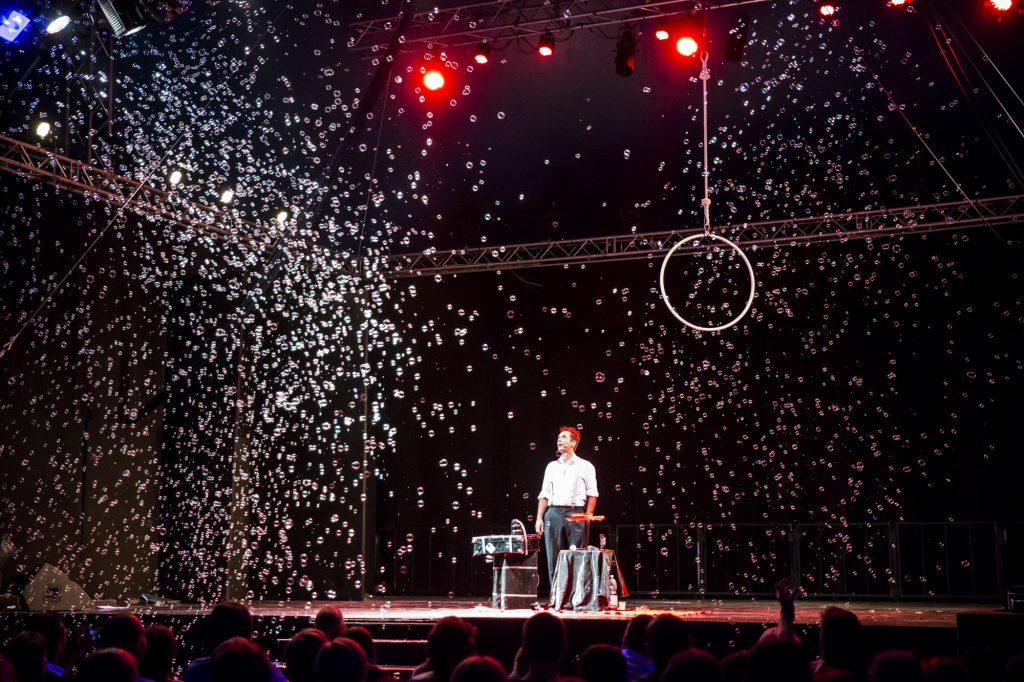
x=671, y=308
x=705, y=204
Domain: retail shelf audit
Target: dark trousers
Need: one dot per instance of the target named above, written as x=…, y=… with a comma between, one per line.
x=561, y=533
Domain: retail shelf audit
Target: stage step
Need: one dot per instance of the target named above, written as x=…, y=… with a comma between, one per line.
x=399, y=672
x=397, y=653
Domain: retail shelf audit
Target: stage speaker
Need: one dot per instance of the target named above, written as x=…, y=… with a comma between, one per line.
x=51, y=590
x=1015, y=599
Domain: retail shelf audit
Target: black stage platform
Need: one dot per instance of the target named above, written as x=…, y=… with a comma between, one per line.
x=721, y=626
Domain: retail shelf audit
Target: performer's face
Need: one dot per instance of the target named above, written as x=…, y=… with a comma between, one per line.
x=565, y=444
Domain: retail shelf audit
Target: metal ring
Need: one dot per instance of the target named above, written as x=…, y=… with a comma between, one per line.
x=750, y=269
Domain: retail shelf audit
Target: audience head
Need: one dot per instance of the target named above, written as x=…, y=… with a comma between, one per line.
x=161, y=650
x=55, y=635
x=776, y=659
x=983, y=663
x=896, y=666
x=363, y=638
x=27, y=653
x=840, y=639
x=603, y=663
x=128, y=650
x=330, y=622
x=341, y=660
x=1014, y=671
x=239, y=660
x=479, y=669
x=227, y=620
x=836, y=675
x=544, y=639
x=108, y=665
x=635, y=638
x=945, y=669
x=666, y=635
x=300, y=654
x=734, y=666
x=124, y=631
x=450, y=641
x=6, y=671
x=693, y=665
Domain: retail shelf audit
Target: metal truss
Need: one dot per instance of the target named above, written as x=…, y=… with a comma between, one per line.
x=30, y=161
x=953, y=215
x=506, y=20
x=91, y=63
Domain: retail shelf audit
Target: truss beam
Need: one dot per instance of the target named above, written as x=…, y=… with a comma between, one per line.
x=954, y=215
x=30, y=161
x=504, y=20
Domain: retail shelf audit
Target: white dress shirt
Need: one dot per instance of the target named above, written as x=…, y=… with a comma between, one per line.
x=568, y=483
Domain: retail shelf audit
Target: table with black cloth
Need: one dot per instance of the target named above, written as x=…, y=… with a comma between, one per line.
x=582, y=579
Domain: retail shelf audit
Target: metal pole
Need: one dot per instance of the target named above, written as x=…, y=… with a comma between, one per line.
x=237, y=582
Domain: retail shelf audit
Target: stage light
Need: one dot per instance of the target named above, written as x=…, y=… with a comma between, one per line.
x=281, y=217
x=546, y=46
x=175, y=177
x=1001, y=5
x=130, y=16
x=58, y=24
x=625, y=53
x=227, y=195
x=736, y=41
x=661, y=34
x=827, y=9
x=12, y=24
x=687, y=46
x=433, y=80
x=42, y=129
x=124, y=16
x=482, y=54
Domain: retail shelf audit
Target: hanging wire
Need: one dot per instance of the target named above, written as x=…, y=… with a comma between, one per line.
x=706, y=201
x=88, y=249
x=935, y=157
x=951, y=41
x=373, y=170
x=989, y=60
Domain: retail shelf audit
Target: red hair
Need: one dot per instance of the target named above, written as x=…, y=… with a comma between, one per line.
x=572, y=432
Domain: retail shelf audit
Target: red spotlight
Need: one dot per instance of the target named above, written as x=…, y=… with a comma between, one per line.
x=546, y=46
x=661, y=34
x=827, y=9
x=433, y=80
x=1002, y=5
x=482, y=54
x=687, y=46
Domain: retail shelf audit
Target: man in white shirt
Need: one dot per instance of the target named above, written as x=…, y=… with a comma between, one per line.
x=570, y=487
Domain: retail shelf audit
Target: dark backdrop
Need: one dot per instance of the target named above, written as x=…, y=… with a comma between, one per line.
x=873, y=382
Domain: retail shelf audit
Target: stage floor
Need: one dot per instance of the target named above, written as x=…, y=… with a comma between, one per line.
x=424, y=609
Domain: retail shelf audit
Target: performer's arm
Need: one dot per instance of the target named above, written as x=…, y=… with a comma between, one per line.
x=590, y=481
x=542, y=506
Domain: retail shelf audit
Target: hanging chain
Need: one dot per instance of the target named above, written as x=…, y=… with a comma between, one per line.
x=706, y=201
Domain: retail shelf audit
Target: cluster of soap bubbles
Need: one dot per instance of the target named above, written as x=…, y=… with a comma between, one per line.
x=268, y=411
